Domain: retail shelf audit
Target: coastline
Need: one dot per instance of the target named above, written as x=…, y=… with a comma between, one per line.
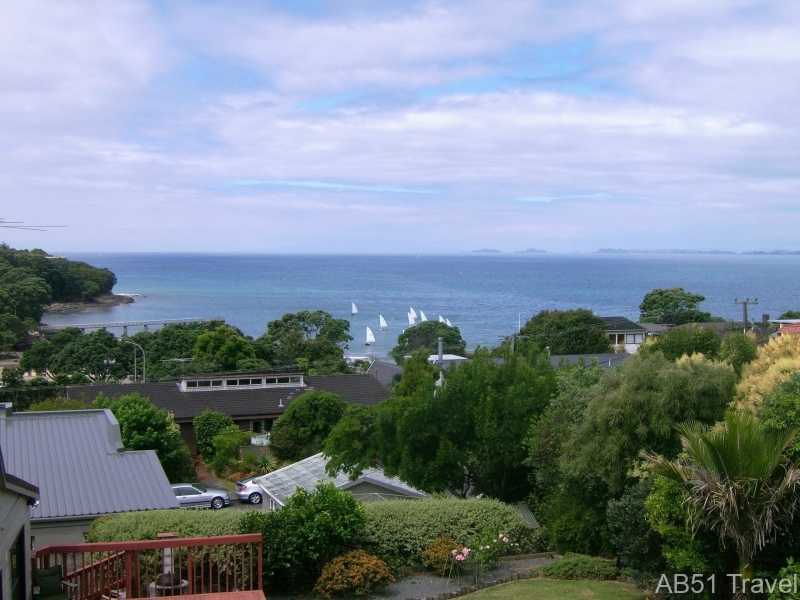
x=104, y=301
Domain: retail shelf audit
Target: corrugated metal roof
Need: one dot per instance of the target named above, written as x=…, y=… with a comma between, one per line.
x=308, y=472
x=75, y=459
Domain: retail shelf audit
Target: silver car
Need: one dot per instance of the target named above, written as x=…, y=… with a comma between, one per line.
x=195, y=496
x=248, y=490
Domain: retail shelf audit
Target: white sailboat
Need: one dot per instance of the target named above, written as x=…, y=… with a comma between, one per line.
x=449, y=324
x=383, y=322
x=354, y=310
x=370, y=337
x=422, y=316
x=441, y=319
x=411, y=319
x=412, y=312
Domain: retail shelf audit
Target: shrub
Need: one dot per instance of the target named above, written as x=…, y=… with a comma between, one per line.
x=207, y=425
x=438, y=555
x=580, y=566
x=226, y=448
x=146, y=525
x=282, y=553
x=354, y=574
x=400, y=531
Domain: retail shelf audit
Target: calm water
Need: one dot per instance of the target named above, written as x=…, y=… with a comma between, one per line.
x=483, y=295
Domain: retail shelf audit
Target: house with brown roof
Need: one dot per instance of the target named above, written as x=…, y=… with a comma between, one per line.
x=254, y=400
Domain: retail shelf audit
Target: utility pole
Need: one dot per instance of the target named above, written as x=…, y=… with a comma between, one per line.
x=744, y=304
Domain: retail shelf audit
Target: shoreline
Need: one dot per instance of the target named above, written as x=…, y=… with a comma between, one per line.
x=104, y=301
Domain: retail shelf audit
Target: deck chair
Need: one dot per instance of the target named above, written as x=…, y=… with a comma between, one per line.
x=50, y=586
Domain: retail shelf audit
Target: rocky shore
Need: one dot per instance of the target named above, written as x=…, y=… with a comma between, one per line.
x=104, y=301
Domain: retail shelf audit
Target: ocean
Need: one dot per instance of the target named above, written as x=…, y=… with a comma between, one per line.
x=485, y=295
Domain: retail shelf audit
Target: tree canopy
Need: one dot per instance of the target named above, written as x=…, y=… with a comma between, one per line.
x=466, y=437
x=145, y=427
x=790, y=314
x=426, y=335
x=300, y=431
x=673, y=306
x=313, y=341
x=637, y=407
x=224, y=347
x=577, y=331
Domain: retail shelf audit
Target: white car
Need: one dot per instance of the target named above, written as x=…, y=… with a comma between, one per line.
x=195, y=496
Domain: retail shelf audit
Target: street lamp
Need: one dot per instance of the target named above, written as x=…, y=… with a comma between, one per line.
x=144, y=360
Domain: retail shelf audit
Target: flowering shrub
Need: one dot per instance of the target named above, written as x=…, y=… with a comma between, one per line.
x=438, y=555
x=483, y=556
x=353, y=574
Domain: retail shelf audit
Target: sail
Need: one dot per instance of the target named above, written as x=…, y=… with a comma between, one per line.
x=370, y=336
x=422, y=316
x=441, y=319
x=412, y=312
x=449, y=324
x=383, y=322
x=411, y=319
x=354, y=309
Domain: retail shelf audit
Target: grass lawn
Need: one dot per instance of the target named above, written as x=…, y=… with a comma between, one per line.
x=547, y=589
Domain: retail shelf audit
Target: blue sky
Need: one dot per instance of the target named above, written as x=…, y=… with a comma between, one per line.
x=400, y=127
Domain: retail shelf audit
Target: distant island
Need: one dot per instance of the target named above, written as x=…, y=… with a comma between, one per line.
x=531, y=251
x=485, y=251
x=677, y=251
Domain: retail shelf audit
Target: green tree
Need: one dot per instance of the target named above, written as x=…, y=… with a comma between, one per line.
x=426, y=335
x=57, y=404
x=673, y=306
x=419, y=374
x=313, y=340
x=685, y=341
x=225, y=346
x=167, y=349
x=226, y=448
x=39, y=357
x=738, y=479
x=300, y=431
x=24, y=295
x=97, y=355
x=738, y=349
x=207, y=425
x=466, y=437
x=790, y=314
x=781, y=411
x=145, y=427
x=637, y=406
x=14, y=332
x=577, y=331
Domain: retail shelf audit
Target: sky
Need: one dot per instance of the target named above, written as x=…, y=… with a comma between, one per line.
x=400, y=127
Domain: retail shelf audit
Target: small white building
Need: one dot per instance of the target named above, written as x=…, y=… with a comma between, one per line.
x=624, y=334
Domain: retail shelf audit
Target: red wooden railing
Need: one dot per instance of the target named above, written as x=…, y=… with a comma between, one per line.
x=205, y=565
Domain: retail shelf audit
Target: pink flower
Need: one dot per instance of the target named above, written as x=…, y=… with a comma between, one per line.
x=505, y=540
x=459, y=558
x=454, y=552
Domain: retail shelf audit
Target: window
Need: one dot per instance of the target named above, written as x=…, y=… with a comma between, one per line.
x=230, y=382
x=216, y=383
x=294, y=379
x=17, y=566
x=256, y=426
x=283, y=380
x=191, y=384
x=255, y=382
x=629, y=338
x=203, y=384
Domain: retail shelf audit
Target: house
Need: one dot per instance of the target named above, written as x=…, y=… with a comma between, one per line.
x=624, y=334
x=254, y=400
x=372, y=486
x=77, y=460
x=386, y=373
x=16, y=498
x=789, y=329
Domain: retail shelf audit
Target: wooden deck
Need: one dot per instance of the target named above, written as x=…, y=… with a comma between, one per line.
x=249, y=595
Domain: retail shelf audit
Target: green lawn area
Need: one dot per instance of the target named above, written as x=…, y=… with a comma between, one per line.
x=547, y=589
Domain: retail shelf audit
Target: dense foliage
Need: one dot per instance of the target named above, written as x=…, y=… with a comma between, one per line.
x=145, y=427
x=577, y=331
x=775, y=363
x=673, y=306
x=207, y=425
x=141, y=525
x=311, y=341
x=353, y=574
x=30, y=280
x=399, y=532
x=426, y=335
x=467, y=436
x=638, y=405
x=300, y=431
x=580, y=566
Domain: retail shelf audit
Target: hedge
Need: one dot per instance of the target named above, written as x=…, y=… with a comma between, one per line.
x=146, y=525
x=400, y=531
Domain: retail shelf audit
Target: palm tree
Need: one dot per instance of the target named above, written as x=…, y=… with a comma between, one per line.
x=739, y=481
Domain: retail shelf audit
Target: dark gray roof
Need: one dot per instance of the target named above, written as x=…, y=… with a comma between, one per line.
x=241, y=402
x=655, y=328
x=76, y=459
x=622, y=324
x=308, y=472
x=384, y=372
